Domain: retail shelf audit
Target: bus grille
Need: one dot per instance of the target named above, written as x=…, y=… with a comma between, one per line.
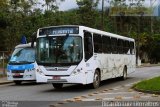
x=20, y=76
x=17, y=71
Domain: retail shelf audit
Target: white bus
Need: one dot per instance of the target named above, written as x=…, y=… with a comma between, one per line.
x=21, y=66
x=82, y=55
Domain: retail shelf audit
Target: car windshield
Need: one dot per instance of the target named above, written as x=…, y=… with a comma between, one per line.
x=23, y=55
x=59, y=49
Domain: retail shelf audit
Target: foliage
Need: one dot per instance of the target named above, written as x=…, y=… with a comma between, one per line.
x=51, y=5
x=130, y=8
x=23, y=17
x=87, y=9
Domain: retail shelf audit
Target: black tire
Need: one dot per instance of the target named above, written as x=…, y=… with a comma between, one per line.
x=124, y=77
x=18, y=82
x=57, y=85
x=96, y=80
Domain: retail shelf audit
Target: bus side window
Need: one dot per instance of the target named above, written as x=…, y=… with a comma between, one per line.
x=114, y=45
x=97, y=43
x=128, y=48
x=88, y=48
x=121, y=46
x=132, y=47
x=106, y=44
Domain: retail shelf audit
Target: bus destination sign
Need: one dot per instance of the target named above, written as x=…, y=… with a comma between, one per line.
x=58, y=30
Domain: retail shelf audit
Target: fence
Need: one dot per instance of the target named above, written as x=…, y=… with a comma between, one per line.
x=4, y=57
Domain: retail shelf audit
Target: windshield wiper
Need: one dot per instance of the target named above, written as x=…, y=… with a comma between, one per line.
x=21, y=61
x=13, y=61
x=25, y=61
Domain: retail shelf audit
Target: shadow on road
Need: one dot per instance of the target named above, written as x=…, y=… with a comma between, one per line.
x=74, y=88
x=27, y=84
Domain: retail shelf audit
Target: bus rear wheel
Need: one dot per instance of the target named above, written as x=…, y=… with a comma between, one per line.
x=57, y=85
x=96, y=80
x=124, y=77
x=18, y=82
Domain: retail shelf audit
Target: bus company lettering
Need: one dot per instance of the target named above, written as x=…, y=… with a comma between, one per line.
x=69, y=31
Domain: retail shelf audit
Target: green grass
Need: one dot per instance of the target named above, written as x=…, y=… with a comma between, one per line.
x=151, y=85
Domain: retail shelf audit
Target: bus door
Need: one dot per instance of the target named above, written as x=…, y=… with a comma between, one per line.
x=88, y=53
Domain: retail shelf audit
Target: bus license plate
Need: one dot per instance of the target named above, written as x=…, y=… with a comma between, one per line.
x=17, y=74
x=56, y=77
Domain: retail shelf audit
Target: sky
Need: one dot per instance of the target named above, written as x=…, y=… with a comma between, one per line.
x=66, y=5
x=69, y=4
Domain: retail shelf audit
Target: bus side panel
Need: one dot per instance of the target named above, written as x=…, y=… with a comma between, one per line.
x=103, y=63
x=132, y=63
x=117, y=63
x=90, y=66
x=112, y=65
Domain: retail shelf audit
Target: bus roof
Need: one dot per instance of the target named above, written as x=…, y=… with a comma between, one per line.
x=25, y=45
x=96, y=31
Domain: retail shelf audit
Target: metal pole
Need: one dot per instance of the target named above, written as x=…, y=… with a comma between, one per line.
x=139, y=29
x=102, y=21
x=3, y=65
x=137, y=55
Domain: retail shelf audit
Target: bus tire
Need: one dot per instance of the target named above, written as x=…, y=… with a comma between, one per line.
x=57, y=85
x=124, y=77
x=96, y=80
x=18, y=82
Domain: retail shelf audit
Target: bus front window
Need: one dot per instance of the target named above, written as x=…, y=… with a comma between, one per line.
x=23, y=55
x=59, y=49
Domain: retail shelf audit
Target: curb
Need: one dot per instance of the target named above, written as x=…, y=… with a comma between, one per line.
x=147, y=91
x=7, y=82
x=141, y=66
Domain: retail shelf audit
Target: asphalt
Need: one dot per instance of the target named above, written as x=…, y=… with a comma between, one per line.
x=3, y=80
x=121, y=94
x=106, y=96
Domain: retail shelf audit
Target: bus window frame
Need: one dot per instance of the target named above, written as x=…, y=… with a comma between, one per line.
x=88, y=54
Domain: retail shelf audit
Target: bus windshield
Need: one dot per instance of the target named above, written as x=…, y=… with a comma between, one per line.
x=23, y=55
x=59, y=50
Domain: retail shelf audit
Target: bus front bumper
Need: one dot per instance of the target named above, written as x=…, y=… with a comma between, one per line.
x=21, y=76
x=75, y=79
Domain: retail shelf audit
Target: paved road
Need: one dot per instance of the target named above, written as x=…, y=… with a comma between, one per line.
x=45, y=92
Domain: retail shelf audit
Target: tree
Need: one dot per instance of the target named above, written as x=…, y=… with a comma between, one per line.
x=87, y=12
x=51, y=5
x=4, y=8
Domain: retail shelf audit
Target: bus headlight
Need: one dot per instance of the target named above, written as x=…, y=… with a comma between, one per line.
x=39, y=71
x=29, y=70
x=76, y=71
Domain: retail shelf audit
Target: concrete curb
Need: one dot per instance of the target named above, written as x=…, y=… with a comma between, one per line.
x=5, y=82
x=147, y=66
x=147, y=91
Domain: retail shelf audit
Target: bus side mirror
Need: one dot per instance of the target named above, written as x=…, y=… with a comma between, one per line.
x=33, y=39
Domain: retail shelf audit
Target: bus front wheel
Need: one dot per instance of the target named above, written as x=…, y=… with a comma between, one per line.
x=18, y=82
x=96, y=80
x=57, y=86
